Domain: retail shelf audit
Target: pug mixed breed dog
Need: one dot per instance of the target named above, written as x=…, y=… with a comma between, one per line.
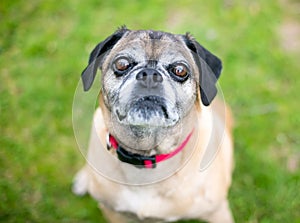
x=159, y=120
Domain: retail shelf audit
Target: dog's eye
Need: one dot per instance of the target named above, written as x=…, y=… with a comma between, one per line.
x=180, y=70
x=122, y=64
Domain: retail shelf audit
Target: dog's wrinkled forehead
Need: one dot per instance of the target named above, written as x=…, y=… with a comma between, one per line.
x=153, y=35
x=149, y=35
x=152, y=45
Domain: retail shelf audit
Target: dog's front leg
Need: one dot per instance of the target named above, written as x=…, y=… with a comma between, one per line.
x=80, y=182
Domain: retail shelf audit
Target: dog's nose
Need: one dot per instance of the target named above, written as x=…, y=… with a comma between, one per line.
x=149, y=78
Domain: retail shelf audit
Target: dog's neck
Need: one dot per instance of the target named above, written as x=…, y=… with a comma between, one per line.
x=141, y=161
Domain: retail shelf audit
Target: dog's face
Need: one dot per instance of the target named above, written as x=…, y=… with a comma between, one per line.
x=150, y=83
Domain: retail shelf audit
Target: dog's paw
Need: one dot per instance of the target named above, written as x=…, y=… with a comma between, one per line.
x=80, y=182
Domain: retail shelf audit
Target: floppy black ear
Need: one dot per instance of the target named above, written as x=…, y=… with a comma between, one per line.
x=89, y=73
x=210, y=68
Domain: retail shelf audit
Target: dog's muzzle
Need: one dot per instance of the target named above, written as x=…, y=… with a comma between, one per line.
x=149, y=111
x=148, y=105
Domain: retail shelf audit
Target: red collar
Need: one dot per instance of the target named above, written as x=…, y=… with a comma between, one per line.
x=143, y=161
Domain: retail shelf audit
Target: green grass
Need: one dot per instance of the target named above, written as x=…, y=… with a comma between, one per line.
x=44, y=46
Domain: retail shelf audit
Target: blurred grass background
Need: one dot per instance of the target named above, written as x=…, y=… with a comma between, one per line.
x=44, y=45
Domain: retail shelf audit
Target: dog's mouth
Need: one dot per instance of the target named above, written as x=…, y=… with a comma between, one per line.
x=149, y=111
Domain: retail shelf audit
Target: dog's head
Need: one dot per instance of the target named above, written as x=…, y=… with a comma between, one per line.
x=150, y=82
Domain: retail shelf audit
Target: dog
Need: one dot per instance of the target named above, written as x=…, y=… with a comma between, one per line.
x=169, y=152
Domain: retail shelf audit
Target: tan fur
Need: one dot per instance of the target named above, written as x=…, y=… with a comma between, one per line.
x=189, y=193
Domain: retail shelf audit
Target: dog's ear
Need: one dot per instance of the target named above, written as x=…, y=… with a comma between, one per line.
x=96, y=56
x=209, y=66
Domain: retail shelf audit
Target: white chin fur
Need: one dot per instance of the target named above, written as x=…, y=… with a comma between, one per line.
x=153, y=120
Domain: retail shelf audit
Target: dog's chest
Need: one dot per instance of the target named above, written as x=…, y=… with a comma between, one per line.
x=169, y=203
